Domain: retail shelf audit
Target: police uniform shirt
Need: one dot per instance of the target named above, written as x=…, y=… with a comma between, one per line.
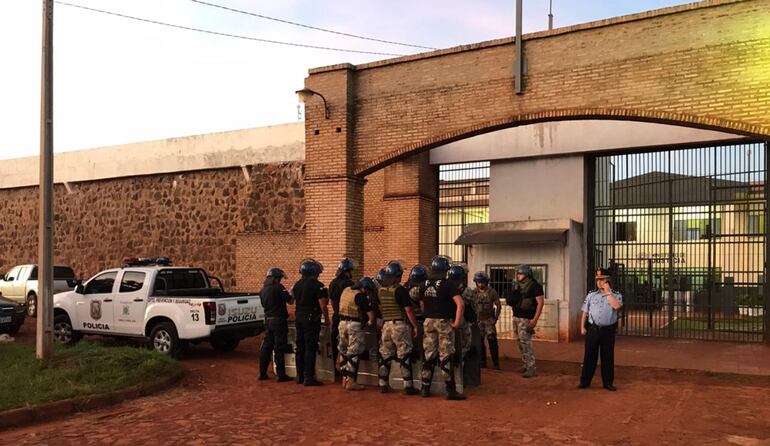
x=274, y=298
x=306, y=294
x=599, y=310
x=438, y=300
x=402, y=297
x=336, y=287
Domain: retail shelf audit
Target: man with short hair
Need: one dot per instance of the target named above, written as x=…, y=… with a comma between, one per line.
x=526, y=299
x=599, y=321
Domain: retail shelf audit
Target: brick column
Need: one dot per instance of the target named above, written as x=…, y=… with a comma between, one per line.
x=333, y=195
x=411, y=210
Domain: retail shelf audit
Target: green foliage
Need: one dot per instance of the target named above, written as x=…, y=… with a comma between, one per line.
x=86, y=368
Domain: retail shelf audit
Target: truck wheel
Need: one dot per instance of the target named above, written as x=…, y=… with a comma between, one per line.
x=32, y=305
x=164, y=339
x=63, y=332
x=225, y=345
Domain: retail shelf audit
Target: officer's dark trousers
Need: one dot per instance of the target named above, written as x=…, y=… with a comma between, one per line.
x=599, y=340
x=276, y=340
x=308, y=332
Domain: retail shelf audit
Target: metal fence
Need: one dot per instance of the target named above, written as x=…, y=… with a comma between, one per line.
x=463, y=199
x=684, y=232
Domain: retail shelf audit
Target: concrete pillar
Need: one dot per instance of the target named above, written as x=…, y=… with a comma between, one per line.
x=411, y=210
x=333, y=194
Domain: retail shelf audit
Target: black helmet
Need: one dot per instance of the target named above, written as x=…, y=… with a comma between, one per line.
x=440, y=264
x=481, y=277
x=418, y=274
x=526, y=270
x=394, y=269
x=367, y=283
x=310, y=268
x=346, y=265
x=456, y=272
x=276, y=272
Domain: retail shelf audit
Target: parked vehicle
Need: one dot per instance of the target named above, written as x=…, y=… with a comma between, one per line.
x=169, y=306
x=12, y=316
x=20, y=284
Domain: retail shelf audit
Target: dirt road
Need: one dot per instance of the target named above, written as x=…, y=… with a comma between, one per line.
x=220, y=402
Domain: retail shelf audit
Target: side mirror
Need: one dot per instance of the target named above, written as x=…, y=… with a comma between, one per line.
x=80, y=289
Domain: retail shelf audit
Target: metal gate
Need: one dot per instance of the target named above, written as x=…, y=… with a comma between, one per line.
x=684, y=232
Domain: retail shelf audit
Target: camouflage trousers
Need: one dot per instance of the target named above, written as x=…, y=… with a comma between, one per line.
x=351, y=345
x=487, y=328
x=466, y=337
x=396, y=344
x=524, y=332
x=439, y=347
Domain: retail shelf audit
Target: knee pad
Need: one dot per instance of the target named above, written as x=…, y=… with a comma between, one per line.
x=446, y=366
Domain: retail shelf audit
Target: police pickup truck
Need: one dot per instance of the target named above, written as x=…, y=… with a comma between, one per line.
x=150, y=299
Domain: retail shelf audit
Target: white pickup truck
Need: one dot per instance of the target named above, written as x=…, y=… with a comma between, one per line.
x=20, y=284
x=170, y=306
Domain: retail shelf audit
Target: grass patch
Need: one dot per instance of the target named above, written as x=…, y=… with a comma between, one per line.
x=86, y=368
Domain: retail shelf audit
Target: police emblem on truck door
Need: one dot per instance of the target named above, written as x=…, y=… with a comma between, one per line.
x=96, y=309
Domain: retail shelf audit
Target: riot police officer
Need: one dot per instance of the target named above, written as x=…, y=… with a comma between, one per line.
x=312, y=299
x=274, y=298
x=526, y=299
x=487, y=303
x=442, y=305
x=418, y=276
x=398, y=329
x=342, y=279
x=355, y=314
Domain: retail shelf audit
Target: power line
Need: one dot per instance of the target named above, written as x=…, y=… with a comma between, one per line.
x=217, y=33
x=288, y=22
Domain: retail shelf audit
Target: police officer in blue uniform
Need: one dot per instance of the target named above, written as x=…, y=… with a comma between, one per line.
x=599, y=324
x=274, y=298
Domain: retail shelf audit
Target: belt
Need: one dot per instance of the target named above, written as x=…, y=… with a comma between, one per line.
x=397, y=321
x=591, y=324
x=350, y=319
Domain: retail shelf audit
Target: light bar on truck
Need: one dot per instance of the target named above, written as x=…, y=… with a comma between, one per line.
x=147, y=261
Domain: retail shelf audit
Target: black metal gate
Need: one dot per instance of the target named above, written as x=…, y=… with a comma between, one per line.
x=685, y=233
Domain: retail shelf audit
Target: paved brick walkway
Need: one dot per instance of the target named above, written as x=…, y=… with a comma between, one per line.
x=718, y=357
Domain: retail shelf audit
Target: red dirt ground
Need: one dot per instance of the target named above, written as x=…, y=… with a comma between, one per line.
x=220, y=402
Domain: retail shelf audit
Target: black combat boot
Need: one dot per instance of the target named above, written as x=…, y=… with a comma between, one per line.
x=425, y=390
x=451, y=393
x=494, y=351
x=410, y=391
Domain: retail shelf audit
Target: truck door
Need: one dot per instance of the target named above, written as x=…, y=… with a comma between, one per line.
x=95, y=307
x=130, y=302
x=8, y=285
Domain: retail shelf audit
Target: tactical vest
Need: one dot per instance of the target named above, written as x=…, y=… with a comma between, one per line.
x=485, y=306
x=391, y=310
x=348, y=307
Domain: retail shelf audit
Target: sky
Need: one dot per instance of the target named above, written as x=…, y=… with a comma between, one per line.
x=118, y=81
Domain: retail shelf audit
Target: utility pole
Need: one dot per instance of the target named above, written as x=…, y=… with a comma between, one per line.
x=45, y=217
x=550, y=15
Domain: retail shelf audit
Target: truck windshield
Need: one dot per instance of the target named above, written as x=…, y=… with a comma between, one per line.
x=180, y=279
x=59, y=273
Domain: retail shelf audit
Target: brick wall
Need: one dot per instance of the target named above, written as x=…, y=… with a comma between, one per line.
x=703, y=64
x=256, y=252
x=193, y=218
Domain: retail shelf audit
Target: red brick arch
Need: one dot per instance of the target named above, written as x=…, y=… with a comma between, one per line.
x=707, y=123
x=698, y=65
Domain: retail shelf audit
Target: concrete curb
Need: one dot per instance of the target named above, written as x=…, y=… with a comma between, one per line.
x=24, y=416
